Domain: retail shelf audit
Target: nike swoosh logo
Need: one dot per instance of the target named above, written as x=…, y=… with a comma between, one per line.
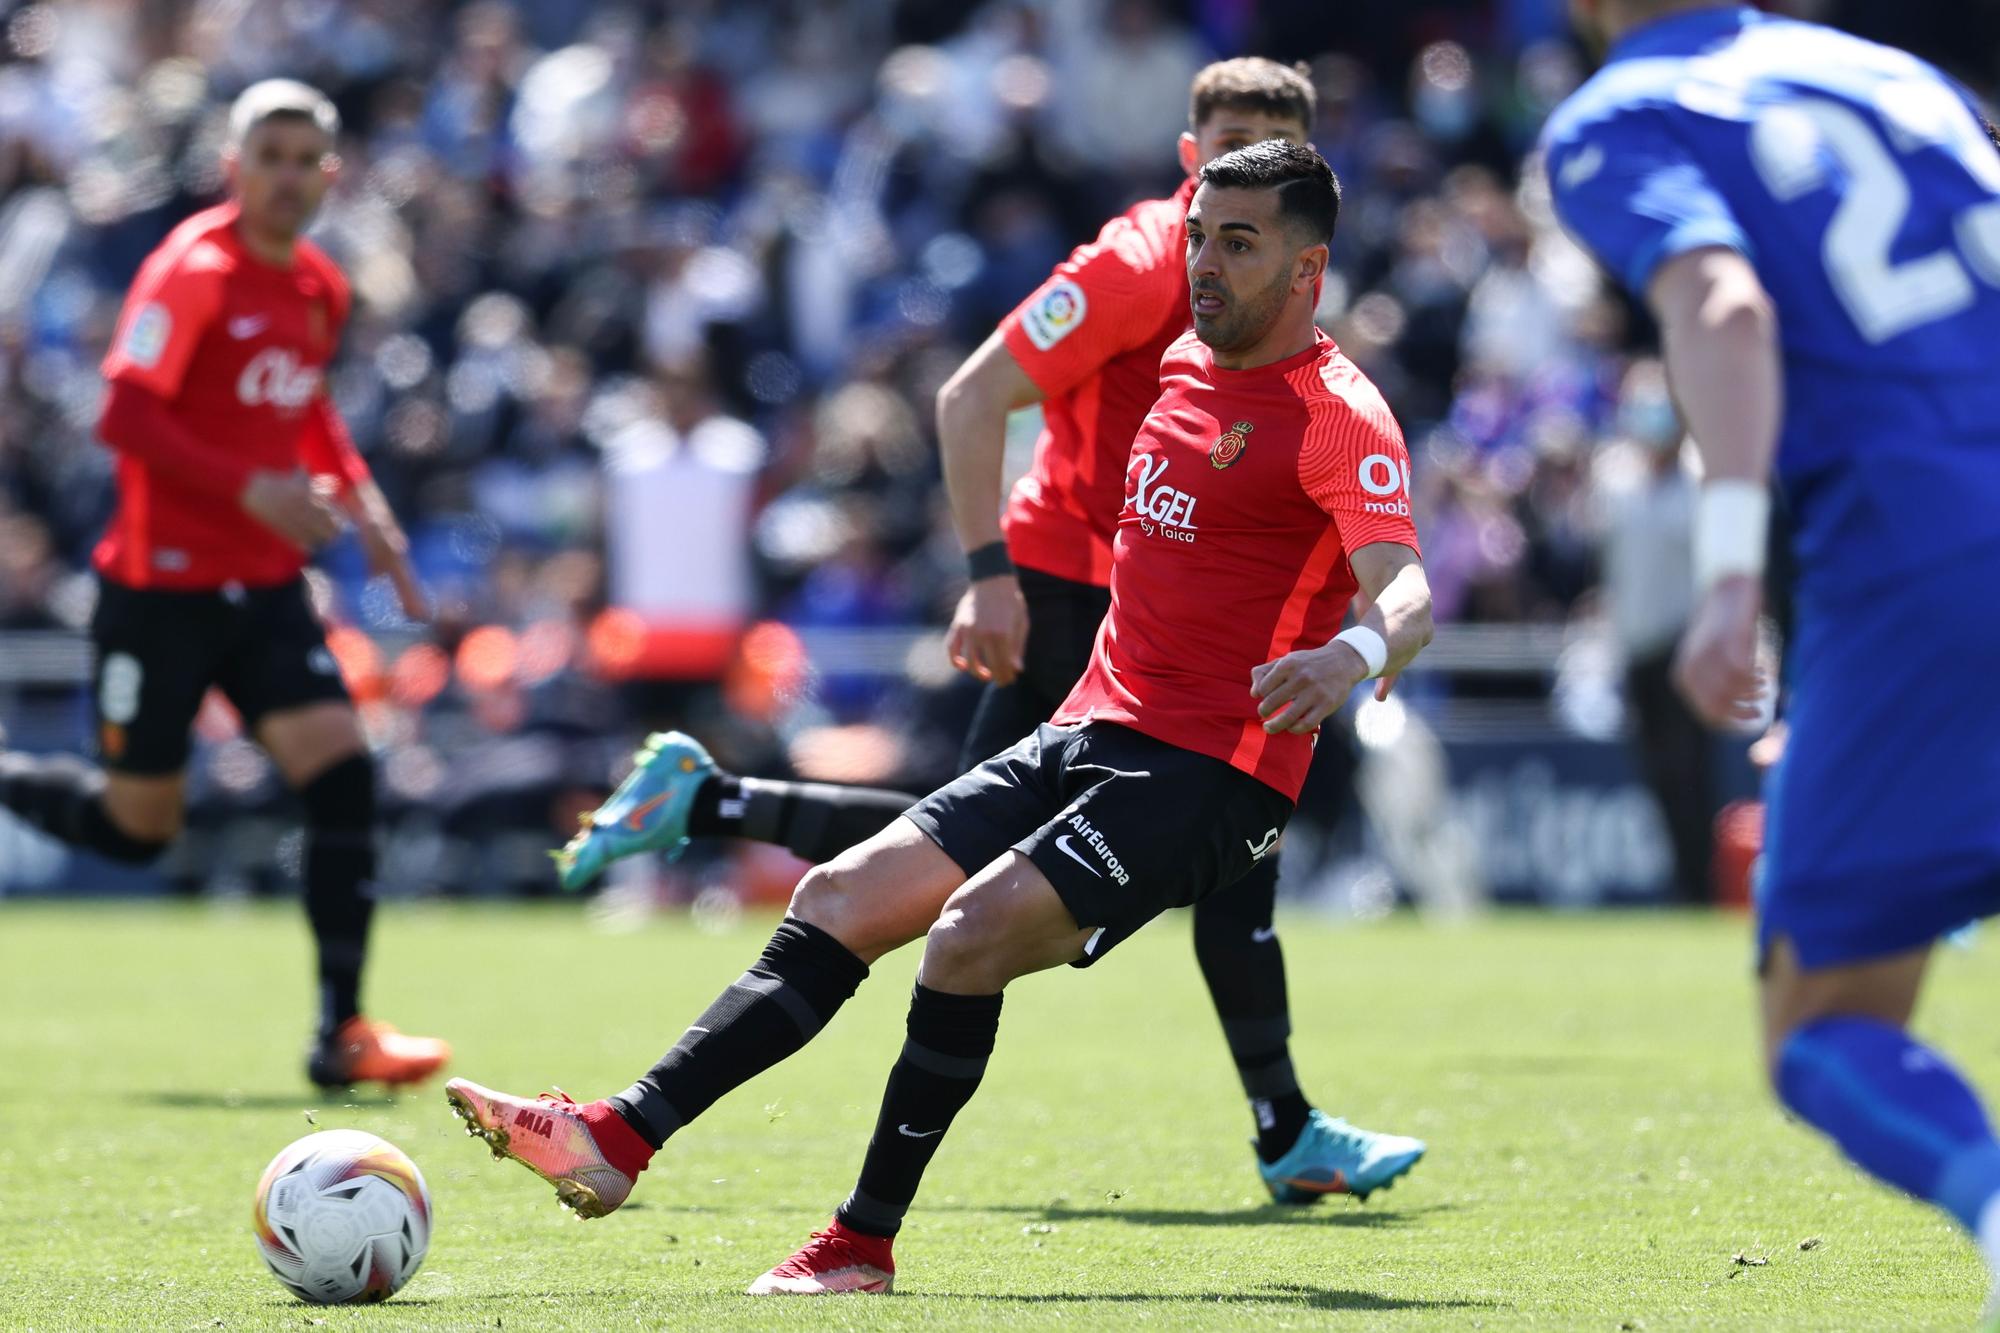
x=1062, y=845
x=906, y=1130
x=636, y=821
x=1263, y=935
x=249, y=326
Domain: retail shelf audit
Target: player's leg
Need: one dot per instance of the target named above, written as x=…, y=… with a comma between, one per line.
x=1860, y=878
x=1236, y=944
x=121, y=817
x=844, y=915
x=153, y=662
x=284, y=681
x=1134, y=827
x=676, y=791
x=1005, y=922
x=1302, y=1153
x=1841, y=1058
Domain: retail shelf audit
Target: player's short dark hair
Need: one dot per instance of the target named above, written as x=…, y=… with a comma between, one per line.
x=1308, y=191
x=1252, y=83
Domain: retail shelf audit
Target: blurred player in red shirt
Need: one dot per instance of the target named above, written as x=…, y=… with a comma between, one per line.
x=233, y=467
x=1265, y=491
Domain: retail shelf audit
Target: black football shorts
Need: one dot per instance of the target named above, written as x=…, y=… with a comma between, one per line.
x=157, y=653
x=1124, y=826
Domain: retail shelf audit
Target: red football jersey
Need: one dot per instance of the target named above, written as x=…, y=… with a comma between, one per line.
x=1090, y=338
x=237, y=349
x=1246, y=491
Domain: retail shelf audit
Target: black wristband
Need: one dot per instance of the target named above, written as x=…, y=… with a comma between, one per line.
x=989, y=561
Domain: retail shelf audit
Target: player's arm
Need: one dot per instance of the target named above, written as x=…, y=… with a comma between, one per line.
x=989, y=631
x=137, y=423
x=328, y=450
x=1628, y=188
x=1105, y=299
x=1301, y=690
x=1719, y=333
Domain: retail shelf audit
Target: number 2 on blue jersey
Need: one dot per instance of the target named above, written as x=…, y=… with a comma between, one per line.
x=1789, y=144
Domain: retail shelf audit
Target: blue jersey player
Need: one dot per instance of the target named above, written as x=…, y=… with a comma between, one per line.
x=1815, y=221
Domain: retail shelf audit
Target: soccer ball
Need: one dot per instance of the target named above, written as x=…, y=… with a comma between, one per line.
x=342, y=1217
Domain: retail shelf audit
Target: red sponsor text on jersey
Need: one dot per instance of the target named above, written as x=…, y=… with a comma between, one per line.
x=1245, y=493
x=1090, y=338
x=237, y=350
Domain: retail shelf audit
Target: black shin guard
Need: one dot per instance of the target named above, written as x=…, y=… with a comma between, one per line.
x=339, y=874
x=64, y=797
x=814, y=820
x=1237, y=947
x=943, y=1059
x=802, y=978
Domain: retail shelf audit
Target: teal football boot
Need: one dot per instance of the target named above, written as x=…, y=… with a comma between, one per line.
x=648, y=813
x=1334, y=1157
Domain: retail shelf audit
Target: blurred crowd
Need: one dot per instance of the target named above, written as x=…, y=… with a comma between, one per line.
x=652, y=301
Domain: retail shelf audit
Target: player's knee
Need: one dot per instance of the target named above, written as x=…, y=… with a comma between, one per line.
x=966, y=948
x=828, y=897
x=141, y=825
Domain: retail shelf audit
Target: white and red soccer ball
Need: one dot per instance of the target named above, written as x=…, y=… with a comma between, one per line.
x=343, y=1217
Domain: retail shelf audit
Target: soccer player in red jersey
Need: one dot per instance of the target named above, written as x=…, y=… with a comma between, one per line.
x=232, y=467
x=1266, y=490
x=1086, y=345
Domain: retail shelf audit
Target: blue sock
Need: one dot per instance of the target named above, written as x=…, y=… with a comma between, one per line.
x=1896, y=1108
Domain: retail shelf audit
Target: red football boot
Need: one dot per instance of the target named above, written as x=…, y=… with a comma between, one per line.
x=834, y=1260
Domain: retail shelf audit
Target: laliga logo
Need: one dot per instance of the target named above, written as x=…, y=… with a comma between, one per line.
x=1170, y=510
x=275, y=376
x=1382, y=475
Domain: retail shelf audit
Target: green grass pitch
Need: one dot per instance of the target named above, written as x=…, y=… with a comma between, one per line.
x=1602, y=1154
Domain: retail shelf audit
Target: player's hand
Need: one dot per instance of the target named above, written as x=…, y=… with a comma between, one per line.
x=287, y=504
x=989, y=630
x=388, y=552
x=1716, y=667
x=1301, y=690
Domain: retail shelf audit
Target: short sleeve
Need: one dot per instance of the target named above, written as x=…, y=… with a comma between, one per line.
x=165, y=315
x=1108, y=297
x=1354, y=466
x=1631, y=193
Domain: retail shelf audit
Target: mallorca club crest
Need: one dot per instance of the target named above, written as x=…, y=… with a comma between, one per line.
x=1230, y=447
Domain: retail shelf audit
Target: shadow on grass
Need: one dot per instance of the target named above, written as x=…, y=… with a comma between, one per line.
x=1270, y=1214
x=1275, y=1293
x=262, y=1101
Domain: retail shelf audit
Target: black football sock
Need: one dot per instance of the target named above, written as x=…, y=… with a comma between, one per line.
x=802, y=978
x=943, y=1059
x=1245, y=969
x=339, y=875
x=815, y=820
x=64, y=797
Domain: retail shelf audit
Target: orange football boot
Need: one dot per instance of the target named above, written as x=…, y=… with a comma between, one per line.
x=365, y=1051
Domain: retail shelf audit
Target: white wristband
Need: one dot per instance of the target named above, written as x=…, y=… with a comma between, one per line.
x=1374, y=649
x=1731, y=519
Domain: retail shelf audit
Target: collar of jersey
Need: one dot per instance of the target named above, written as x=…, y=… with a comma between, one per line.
x=1321, y=344
x=1681, y=34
